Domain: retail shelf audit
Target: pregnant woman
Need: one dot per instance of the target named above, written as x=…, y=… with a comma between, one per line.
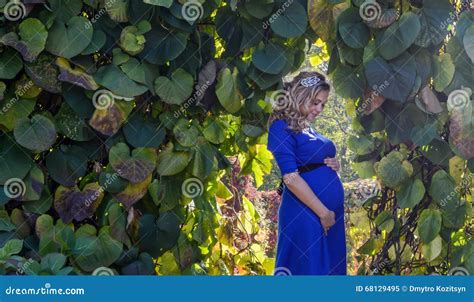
x=311, y=234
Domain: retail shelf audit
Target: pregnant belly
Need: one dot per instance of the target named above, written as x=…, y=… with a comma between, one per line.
x=327, y=185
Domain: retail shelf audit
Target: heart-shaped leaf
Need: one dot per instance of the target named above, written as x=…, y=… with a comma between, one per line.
x=292, y=21
x=429, y=225
x=135, y=167
x=353, y=30
x=71, y=203
x=393, y=80
x=67, y=164
x=68, y=39
x=32, y=39
x=264, y=58
x=111, y=77
x=10, y=64
x=140, y=132
x=158, y=235
x=410, y=193
x=92, y=251
x=394, y=40
x=37, y=134
x=171, y=163
x=227, y=91
x=176, y=89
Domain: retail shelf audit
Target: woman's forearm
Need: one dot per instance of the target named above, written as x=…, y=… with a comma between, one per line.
x=298, y=186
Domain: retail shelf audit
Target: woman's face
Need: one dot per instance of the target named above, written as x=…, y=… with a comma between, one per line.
x=317, y=105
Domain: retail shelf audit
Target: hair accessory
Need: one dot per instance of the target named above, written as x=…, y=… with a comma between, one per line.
x=310, y=81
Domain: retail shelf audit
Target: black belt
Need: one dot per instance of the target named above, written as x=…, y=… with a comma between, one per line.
x=301, y=169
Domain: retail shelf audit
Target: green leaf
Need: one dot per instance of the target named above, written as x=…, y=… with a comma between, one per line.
x=410, y=194
x=37, y=134
x=10, y=64
x=11, y=247
x=171, y=163
x=67, y=164
x=399, y=36
x=158, y=235
x=292, y=22
x=176, y=89
x=214, y=132
x=134, y=167
x=14, y=163
x=16, y=109
x=267, y=59
x=33, y=36
x=435, y=16
x=394, y=80
x=185, y=135
x=433, y=249
x=259, y=8
x=348, y=81
x=429, y=225
x=469, y=42
x=114, y=79
x=353, y=30
x=227, y=91
x=141, y=132
x=92, y=251
x=443, y=72
x=53, y=262
x=68, y=39
x=203, y=159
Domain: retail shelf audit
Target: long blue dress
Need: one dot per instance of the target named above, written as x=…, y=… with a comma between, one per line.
x=302, y=247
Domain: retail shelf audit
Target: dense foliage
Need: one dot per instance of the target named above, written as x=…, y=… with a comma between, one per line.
x=117, y=121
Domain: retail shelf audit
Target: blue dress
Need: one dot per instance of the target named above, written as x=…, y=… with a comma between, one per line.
x=302, y=247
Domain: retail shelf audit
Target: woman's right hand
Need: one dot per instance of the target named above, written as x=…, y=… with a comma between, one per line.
x=328, y=219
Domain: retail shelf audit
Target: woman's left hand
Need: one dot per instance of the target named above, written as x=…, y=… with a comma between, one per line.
x=333, y=163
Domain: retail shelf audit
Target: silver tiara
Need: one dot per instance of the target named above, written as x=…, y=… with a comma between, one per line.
x=310, y=81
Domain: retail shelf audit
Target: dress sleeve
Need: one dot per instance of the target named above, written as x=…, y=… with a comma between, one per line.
x=282, y=144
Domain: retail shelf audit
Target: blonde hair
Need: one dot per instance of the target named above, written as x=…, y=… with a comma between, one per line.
x=292, y=102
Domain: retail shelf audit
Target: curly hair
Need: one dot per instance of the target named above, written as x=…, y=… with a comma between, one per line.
x=292, y=102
